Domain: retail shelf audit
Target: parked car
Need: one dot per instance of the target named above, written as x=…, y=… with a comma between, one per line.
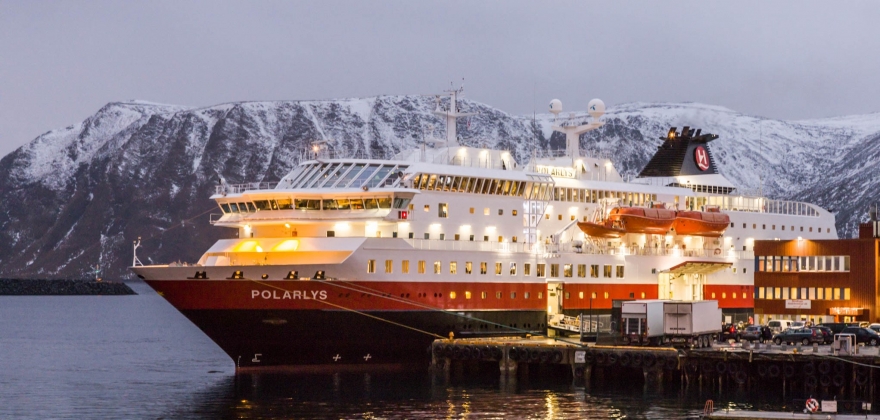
x=797, y=324
x=863, y=335
x=799, y=335
x=875, y=327
x=837, y=327
x=759, y=333
x=729, y=332
x=778, y=326
x=827, y=334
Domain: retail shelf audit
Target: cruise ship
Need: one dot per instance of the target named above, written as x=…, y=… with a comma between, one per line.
x=366, y=261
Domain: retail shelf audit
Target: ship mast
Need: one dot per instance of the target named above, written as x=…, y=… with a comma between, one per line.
x=573, y=132
x=451, y=114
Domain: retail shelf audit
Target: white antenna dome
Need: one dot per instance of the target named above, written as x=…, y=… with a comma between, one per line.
x=596, y=108
x=555, y=106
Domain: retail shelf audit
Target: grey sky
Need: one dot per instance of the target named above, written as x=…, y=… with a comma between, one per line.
x=60, y=61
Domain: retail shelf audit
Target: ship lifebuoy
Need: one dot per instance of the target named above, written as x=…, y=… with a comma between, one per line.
x=717, y=251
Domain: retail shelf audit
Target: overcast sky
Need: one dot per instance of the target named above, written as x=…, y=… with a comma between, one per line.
x=60, y=61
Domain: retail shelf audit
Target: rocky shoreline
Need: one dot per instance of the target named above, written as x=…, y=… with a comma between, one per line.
x=44, y=287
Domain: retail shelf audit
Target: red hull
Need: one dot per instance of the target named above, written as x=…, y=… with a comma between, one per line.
x=641, y=220
x=701, y=223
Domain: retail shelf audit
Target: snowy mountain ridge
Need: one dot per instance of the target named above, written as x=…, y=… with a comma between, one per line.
x=79, y=195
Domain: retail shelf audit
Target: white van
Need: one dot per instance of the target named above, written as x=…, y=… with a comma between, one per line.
x=777, y=326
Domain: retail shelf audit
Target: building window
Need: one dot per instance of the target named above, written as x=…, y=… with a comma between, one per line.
x=513, y=269
x=404, y=266
x=527, y=269
x=421, y=267
x=566, y=270
x=554, y=270
x=483, y=267
x=594, y=270
x=540, y=270
x=582, y=270
x=437, y=267
x=371, y=266
x=468, y=266
x=498, y=269
x=388, y=266
x=606, y=271
x=619, y=271
x=453, y=268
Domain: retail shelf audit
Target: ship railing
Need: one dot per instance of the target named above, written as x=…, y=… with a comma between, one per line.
x=240, y=188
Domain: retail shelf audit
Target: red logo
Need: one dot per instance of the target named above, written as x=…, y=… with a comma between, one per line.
x=701, y=158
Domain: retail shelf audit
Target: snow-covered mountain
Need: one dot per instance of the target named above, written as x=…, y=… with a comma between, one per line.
x=77, y=197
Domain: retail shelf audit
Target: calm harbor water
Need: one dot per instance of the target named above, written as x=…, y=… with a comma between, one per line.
x=82, y=357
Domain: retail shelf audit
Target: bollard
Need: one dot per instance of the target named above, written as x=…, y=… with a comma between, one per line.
x=745, y=344
x=757, y=345
x=815, y=347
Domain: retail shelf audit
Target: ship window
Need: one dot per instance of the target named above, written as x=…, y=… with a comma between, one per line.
x=540, y=270
x=582, y=270
x=457, y=236
x=467, y=295
x=567, y=295
x=370, y=204
x=559, y=217
x=485, y=238
x=764, y=227
x=566, y=270
x=593, y=295
x=331, y=233
x=250, y=206
x=443, y=210
x=606, y=295
x=713, y=295
x=262, y=205
x=594, y=270
x=486, y=211
x=411, y=235
x=453, y=268
x=572, y=217
x=388, y=266
x=513, y=295
x=437, y=267
x=483, y=295
x=547, y=216
x=606, y=271
x=455, y=184
x=500, y=212
x=754, y=225
x=234, y=207
x=226, y=208
x=442, y=236
x=404, y=266
x=472, y=210
x=333, y=175
x=527, y=269
x=514, y=212
x=500, y=238
x=724, y=295
x=371, y=266
x=774, y=227
x=421, y=267
x=783, y=227
x=619, y=271
x=497, y=269
x=554, y=270
x=468, y=267
x=483, y=267
x=472, y=238
x=513, y=269
x=330, y=205
x=497, y=295
x=540, y=295
x=399, y=203
x=452, y=295
x=284, y=203
x=513, y=239
x=580, y=295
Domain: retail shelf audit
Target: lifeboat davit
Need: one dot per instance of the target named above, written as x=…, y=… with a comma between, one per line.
x=711, y=222
x=606, y=229
x=654, y=221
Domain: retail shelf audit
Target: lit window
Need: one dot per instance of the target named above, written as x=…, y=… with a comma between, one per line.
x=606, y=295
x=513, y=269
x=513, y=295
x=427, y=207
x=437, y=268
x=713, y=295
x=371, y=266
x=452, y=295
x=483, y=267
x=514, y=212
x=497, y=295
x=468, y=266
x=513, y=239
x=486, y=211
x=453, y=268
x=467, y=295
x=540, y=295
x=472, y=210
x=606, y=271
x=498, y=269
x=421, y=267
x=442, y=210
x=554, y=270
x=540, y=270
x=404, y=266
x=526, y=295
x=566, y=270
x=483, y=295
x=724, y=295
x=388, y=266
x=643, y=295
x=527, y=269
x=457, y=237
x=593, y=295
x=580, y=295
x=559, y=216
x=594, y=270
x=582, y=270
x=567, y=295
x=620, y=271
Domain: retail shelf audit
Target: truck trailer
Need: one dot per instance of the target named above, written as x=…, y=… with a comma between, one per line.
x=642, y=322
x=691, y=324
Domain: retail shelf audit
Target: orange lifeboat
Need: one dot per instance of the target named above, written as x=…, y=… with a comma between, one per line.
x=711, y=222
x=606, y=229
x=655, y=221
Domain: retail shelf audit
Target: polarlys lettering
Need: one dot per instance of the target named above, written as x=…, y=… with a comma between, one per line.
x=295, y=294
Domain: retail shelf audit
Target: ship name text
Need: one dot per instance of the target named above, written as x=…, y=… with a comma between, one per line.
x=292, y=294
x=556, y=171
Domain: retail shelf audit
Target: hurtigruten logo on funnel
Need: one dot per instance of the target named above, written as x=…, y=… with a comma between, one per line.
x=701, y=158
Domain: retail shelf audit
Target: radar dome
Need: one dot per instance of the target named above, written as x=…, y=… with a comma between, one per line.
x=596, y=108
x=555, y=106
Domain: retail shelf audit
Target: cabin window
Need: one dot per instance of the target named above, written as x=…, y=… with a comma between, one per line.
x=619, y=271
x=452, y=295
x=501, y=212
x=513, y=269
x=606, y=271
x=554, y=270
x=513, y=239
x=513, y=212
x=486, y=211
x=566, y=270
x=527, y=269
x=593, y=295
x=442, y=236
x=472, y=210
x=500, y=239
x=540, y=270
x=513, y=295
x=388, y=265
x=594, y=270
x=498, y=269
x=580, y=295
x=497, y=295
x=427, y=208
x=404, y=266
x=468, y=267
x=437, y=267
x=427, y=235
x=443, y=210
x=606, y=295
x=582, y=270
x=559, y=216
x=483, y=295
x=371, y=266
x=567, y=295
x=453, y=268
x=457, y=236
x=421, y=267
x=472, y=238
x=483, y=268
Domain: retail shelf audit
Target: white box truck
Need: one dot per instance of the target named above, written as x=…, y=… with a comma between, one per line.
x=642, y=322
x=694, y=323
